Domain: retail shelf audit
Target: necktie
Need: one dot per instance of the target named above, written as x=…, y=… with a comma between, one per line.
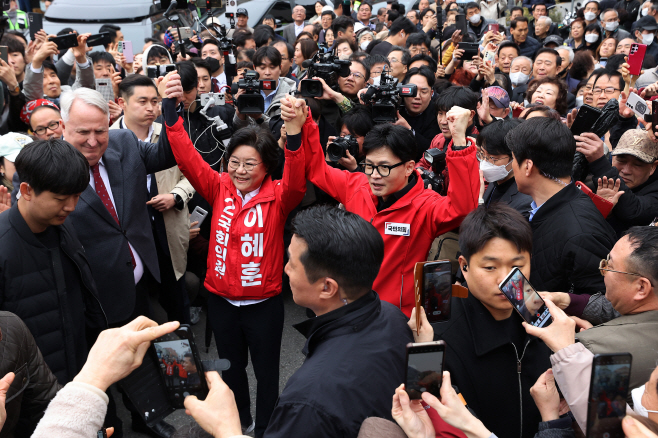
x=102, y=193
x=215, y=85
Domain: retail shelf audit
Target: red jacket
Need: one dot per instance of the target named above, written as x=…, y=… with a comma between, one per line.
x=410, y=225
x=245, y=257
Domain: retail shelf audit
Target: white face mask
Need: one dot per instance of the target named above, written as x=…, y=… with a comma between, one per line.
x=518, y=78
x=611, y=27
x=475, y=18
x=647, y=39
x=493, y=173
x=364, y=45
x=376, y=80
x=644, y=12
x=591, y=38
x=589, y=16
x=636, y=394
x=579, y=101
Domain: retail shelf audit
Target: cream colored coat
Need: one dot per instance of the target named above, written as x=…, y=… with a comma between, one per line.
x=177, y=223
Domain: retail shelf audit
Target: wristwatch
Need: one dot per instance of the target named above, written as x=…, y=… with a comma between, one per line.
x=179, y=201
x=458, y=148
x=15, y=90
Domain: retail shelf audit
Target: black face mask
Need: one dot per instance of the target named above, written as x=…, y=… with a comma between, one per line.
x=213, y=64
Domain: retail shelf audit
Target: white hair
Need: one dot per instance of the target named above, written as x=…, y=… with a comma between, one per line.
x=85, y=95
x=568, y=49
x=546, y=19
x=518, y=58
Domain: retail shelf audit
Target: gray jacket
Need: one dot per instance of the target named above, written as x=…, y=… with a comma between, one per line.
x=33, y=82
x=649, y=77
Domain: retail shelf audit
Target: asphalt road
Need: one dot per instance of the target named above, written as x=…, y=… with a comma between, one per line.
x=291, y=359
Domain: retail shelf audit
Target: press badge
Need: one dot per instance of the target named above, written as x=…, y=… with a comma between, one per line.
x=394, y=229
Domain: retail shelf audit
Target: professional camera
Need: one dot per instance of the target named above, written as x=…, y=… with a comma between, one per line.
x=385, y=98
x=437, y=158
x=326, y=66
x=156, y=71
x=338, y=148
x=252, y=102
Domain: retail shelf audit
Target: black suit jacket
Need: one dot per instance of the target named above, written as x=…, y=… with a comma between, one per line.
x=127, y=161
x=512, y=197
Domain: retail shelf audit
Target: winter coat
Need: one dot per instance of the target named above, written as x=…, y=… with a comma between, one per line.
x=410, y=225
x=360, y=345
x=34, y=385
x=245, y=260
x=32, y=285
x=492, y=373
x=512, y=197
x=569, y=239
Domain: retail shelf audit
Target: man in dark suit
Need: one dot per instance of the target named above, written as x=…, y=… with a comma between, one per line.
x=111, y=218
x=291, y=31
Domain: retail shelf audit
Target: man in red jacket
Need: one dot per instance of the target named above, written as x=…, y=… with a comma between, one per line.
x=391, y=195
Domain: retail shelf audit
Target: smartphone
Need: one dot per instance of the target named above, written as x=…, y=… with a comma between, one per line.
x=516, y=112
x=470, y=50
x=65, y=41
x=437, y=290
x=35, y=21
x=104, y=86
x=127, y=50
x=654, y=115
x=4, y=54
x=636, y=58
x=608, y=390
x=585, y=119
x=199, y=214
x=638, y=105
x=424, y=371
x=99, y=39
x=460, y=24
x=180, y=366
x=490, y=58
x=185, y=33
x=494, y=27
x=155, y=71
x=525, y=299
x=220, y=98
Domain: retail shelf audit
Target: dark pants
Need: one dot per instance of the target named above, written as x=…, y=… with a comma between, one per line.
x=257, y=329
x=172, y=295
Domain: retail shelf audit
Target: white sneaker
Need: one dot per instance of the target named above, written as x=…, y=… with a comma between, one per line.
x=246, y=430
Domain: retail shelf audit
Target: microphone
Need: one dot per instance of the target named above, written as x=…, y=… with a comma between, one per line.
x=172, y=5
x=307, y=63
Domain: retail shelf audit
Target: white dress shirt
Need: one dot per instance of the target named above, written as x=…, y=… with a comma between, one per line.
x=139, y=266
x=239, y=303
x=298, y=29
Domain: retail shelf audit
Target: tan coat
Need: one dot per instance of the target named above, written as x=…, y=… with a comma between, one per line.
x=177, y=222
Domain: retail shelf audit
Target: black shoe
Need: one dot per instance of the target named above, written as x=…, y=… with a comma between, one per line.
x=161, y=429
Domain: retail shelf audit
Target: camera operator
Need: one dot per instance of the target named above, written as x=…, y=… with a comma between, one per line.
x=267, y=63
x=391, y=191
x=356, y=124
x=417, y=114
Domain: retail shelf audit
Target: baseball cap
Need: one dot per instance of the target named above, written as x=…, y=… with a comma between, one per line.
x=647, y=23
x=554, y=39
x=11, y=144
x=26, y=112
x=358, y=26
x=499, y=97
x=242, y=11
x=635, y=142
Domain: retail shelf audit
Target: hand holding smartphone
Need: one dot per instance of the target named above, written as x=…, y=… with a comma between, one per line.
x=608, y=390
x=436, y=290
x=525, y=299
x=636, y=58
x=424, y=371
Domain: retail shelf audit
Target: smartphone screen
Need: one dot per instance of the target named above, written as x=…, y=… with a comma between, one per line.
x=607, y=395
x=525, y=299
x=424, y=368
x=437, y=290
x=180, y=365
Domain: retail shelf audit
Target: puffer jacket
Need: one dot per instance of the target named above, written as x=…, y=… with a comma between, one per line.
x=569, y=239
x=34, y=385
x=33, y=286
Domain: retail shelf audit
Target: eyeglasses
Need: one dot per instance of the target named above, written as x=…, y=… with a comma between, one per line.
x=392, y=60
x=42, y=130
x=415, y=51
x=357, y=75
x=603, y=267
x=607, y=90
x=383, y=170
x=235, y=165
x=482, y=157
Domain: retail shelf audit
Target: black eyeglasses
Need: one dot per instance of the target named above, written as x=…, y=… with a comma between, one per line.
x=383, y=170
x=42, y=129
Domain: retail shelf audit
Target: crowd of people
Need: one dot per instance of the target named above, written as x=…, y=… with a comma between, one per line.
x=480, y=155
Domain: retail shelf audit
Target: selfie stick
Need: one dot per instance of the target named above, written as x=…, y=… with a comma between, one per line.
x=439, y=29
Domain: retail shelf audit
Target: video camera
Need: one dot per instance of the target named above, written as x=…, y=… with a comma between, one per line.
x=437, y=158
x=385, y=98
x=252, y=102
x=338, y=148
x=326, y=66
x=156, y=71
